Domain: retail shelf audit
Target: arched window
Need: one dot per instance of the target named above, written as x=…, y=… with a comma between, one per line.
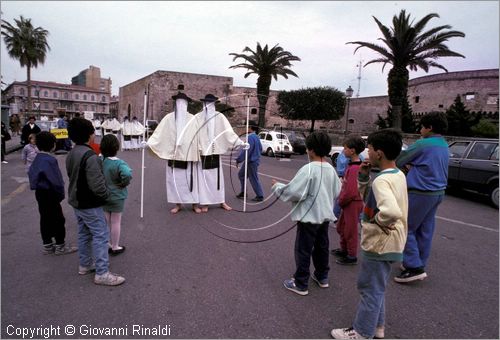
x=54, y=94
x=92, y=98
x=92, y=108
x=103, y=99
x=77, y=96
x=84, y=97
x=45, y=94
x=21, y=91
x=66, y=95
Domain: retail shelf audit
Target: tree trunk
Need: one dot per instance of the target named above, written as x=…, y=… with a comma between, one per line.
x=263, y=85
x=312, y=125
x=397, y=82
x=30, y=105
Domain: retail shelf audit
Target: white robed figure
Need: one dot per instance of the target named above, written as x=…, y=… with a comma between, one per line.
x=97, y=126
x=126, y=133
x=175, y=139
x=215, y=137
x=137, y=131
x=111, y=125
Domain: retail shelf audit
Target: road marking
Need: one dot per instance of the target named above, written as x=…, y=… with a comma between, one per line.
x=10, y=196
x=467, y=224
x=437, y=217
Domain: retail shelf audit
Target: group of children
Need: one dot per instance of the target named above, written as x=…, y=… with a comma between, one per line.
x=97, y=192
x=397, y=220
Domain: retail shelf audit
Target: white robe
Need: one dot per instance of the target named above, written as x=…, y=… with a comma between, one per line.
x=165, y=144
x=126, y=131
x=137, y=131
x=217, y=142
x=97, y=127
x=113, y=125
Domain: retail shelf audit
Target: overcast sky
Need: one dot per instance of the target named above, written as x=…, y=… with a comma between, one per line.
x=130, y=40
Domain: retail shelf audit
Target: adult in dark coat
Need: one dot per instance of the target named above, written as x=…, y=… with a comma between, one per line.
x=28, y=129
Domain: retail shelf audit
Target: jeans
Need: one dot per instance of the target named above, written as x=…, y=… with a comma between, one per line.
x=421, y=222
x=93, y=237
x=372, y=280
x=312, y=239
x=252, y=174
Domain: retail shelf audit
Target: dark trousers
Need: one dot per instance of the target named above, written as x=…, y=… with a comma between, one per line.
x=311, y=240
x=3, y=150
x=51, y=217
x=253, y=176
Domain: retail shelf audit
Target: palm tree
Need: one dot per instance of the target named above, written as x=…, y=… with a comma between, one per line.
x=267, y=64
x=407, y=45
x=26, y=44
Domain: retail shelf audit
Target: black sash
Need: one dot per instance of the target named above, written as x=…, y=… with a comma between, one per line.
x=212, y=162
x=177, y=164
x=126, y=137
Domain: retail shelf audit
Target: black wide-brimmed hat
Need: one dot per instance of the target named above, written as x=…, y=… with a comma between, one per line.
x=210, y=98
x=181, y=95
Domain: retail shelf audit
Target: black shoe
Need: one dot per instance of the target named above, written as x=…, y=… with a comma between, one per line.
x=240, y=195
x=348, y=260
x=113, y=252
x=258, y=199
x=411, y=274
x=339, y=252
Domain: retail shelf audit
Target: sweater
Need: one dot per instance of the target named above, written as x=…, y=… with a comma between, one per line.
x=312, y=192
x=254, y=151
x=118, y=175
x=428, y=158
x=44, y=174
x=385, y=215
x=349, y=190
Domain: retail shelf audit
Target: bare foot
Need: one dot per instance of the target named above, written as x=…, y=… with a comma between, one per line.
x=175, y=210
x=204, y=209
x=225, y=207
x=196, y=209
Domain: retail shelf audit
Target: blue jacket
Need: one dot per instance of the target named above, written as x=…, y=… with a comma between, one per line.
x=428, y=158
x=254, y=152
x=44, y=174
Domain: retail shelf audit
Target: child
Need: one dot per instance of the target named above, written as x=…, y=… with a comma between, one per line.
x=383, y=233
x=427, y=160
x=118, y=175
x=30, y=151
x=351, y=203
x=312, y=192
x=87, y=193
x=46, y=179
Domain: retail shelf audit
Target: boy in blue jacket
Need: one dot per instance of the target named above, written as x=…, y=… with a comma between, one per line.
x=46, y=179
x=427, y=163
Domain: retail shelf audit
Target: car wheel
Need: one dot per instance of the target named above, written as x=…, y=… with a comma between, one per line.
x=287, y=156
x=270, y=152
x=334, y=159
x=494, y=196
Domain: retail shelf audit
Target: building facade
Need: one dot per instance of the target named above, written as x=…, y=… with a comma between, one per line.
x=478, y=90
x=91, y=78
x=51, y=99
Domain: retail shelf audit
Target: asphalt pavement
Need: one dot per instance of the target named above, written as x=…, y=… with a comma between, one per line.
x=182, y=278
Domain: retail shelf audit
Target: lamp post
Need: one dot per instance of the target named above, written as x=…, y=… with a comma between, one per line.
x=37, y=88
x=348, y=94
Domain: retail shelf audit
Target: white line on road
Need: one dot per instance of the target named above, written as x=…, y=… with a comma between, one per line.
x=467, y=224
x=262, y=174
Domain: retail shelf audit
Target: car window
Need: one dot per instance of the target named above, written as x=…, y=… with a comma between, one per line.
x=280, y=136
x=457, y=149
x=494, y=156
x=269, y=137
x=482, y=150
x=262, y=135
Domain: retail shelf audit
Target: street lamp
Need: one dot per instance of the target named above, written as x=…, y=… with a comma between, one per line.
x=37, y=88
x=348, y=95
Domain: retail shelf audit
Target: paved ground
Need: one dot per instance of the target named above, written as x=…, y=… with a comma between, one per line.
x=182, y=277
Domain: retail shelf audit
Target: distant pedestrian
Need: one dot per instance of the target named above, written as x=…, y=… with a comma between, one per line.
x=254, y=152
x=15, y=124
x=312, y=192
x=427, y=163
x=383, y=233
x=87, y=193
x=29, y=152
x=118, y=176
x=351, y=203
x=28, y=129
x=47, y=181
x=5, y=137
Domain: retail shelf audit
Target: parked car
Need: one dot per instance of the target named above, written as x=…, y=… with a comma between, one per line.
x=297, y=140
x=275, y=143
x=474, y=166
x=336, y=150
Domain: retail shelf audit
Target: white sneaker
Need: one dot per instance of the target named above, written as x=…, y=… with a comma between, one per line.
x=5, y=162
x=379, y=332
x=109, y=279
x=345, y=333
x=86, y=270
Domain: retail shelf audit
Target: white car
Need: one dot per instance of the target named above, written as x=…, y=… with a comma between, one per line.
x=275, y=143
